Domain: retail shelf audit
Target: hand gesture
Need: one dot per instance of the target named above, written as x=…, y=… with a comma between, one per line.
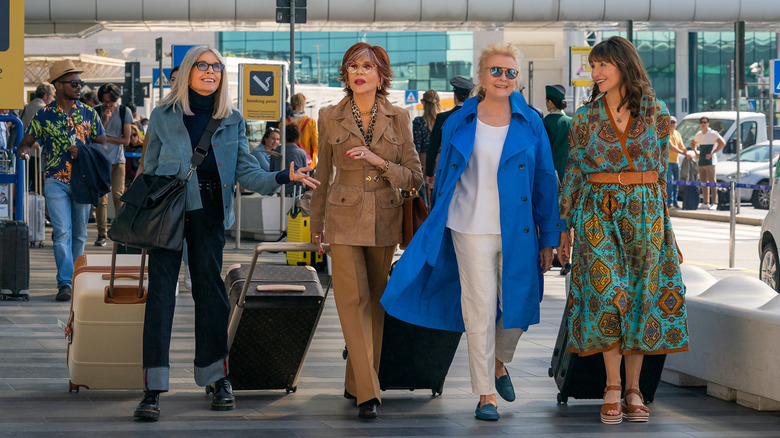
x=301, y=176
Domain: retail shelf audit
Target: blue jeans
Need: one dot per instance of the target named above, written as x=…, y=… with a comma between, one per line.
x=69, y=223
x=205, y=234
x=672, y=174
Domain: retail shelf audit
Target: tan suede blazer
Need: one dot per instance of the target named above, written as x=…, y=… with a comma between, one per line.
x=356, y=204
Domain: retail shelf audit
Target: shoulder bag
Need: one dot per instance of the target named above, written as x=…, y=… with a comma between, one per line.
x=152, y=216
x=415, y=213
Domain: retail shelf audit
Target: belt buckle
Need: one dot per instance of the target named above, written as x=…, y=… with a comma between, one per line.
x=620, y=174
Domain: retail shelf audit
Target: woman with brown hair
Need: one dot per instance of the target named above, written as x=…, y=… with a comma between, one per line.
x=359, y=213
x=627, y=297
x=422, y=125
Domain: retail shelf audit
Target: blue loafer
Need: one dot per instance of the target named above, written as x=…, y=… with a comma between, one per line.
x=504, y=387
x=487, y=412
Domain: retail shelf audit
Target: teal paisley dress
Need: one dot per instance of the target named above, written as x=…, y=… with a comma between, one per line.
x=626, y=289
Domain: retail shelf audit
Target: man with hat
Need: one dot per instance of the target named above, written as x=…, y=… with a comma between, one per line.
x=557, y=124
x=61, y=127
x=461, y=88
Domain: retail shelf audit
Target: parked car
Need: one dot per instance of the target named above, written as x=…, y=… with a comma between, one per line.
x=753, y=169
x=769, y=271
x=753, y=125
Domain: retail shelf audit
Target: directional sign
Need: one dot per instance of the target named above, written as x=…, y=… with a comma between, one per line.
x=177, y=54
x=11, y=54
x=260, y=94
x=410, y=97
x=165, y=79
x=775, y=73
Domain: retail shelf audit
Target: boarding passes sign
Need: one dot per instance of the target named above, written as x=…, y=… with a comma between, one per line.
x=580, y=67
x=261, y=92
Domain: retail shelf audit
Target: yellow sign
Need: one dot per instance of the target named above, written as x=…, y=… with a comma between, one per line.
x=580, y=67
x=12, y=54
x=260, y=95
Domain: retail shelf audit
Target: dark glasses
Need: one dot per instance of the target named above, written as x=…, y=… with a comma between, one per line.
x=203, y=66
x=74, y=83
x=497, y=71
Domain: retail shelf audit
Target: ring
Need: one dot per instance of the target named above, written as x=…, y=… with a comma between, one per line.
x=362, y=153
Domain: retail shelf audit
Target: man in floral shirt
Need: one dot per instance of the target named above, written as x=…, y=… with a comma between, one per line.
x=61, y=127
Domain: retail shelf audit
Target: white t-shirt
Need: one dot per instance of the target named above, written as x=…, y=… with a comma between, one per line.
x=709, y=137
x=474, y=208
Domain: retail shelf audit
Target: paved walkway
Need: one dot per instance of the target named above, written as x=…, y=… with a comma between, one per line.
x=35, y=399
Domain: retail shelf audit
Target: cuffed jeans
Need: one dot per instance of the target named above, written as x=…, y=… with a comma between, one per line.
x=480, y=265
x=205, y=234
x=69, y=224
x=672, y=174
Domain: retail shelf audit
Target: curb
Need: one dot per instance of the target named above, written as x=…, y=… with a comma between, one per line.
x=693, y=214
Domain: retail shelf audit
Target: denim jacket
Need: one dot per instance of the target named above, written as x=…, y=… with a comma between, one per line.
x=169, y=153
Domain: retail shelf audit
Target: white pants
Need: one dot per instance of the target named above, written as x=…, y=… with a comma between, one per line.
x=479, y=259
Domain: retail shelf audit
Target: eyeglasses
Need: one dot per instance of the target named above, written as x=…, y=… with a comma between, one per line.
x=353, y=67
x=497, y=71
x=704, y=123
x=203, y=66
x=74, y=83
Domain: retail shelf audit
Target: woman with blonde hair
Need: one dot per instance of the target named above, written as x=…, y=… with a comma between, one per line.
x=475, y=265
x=309, y=137
x=422, y=125
x=359, y=212
x=627, y=297
x=198, y=105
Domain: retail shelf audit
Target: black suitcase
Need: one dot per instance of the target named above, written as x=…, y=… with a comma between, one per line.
x=415, y=357
x=724, y=199
x=14, y=260
x=270, y=332
x=690, y=197
x=584, y=377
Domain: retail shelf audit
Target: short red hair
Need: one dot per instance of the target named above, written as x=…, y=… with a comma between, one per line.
x=378, y=57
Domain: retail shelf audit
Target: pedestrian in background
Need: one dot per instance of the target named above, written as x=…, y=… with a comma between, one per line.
x=707, y=143
x=44, y=95
x=307, y=128
x=360, y=213
x=676, y=147
x=627, y=297
x=265, y=149
x=461, y=89
x=422, y=125
x=293, y=153
x=475, y=264
x=61, y=127
x=175, y=129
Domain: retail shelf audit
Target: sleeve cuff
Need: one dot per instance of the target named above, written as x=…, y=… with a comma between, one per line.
x=283, y=177
x=549, y=240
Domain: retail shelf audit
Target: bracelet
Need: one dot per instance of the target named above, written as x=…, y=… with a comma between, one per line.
x=387, y=167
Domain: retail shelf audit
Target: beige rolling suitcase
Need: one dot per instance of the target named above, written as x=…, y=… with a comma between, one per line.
x=106, y=322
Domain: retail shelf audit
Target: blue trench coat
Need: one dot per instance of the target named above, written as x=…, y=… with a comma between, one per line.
x=424, y=288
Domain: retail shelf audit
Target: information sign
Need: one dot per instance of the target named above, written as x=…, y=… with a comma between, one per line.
x=260, y=94
x=580, y=67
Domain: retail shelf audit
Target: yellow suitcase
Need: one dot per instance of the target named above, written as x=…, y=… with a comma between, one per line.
x=299, y=230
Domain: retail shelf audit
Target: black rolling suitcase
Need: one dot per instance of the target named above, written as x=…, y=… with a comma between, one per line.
x=690, y=197
x=415, y=357
x=271, y=330
x=584, y=377
x=14, y=260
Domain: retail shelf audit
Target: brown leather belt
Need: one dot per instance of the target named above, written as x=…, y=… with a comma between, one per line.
x=368, y=178
x=624, y=178
x=210, y=186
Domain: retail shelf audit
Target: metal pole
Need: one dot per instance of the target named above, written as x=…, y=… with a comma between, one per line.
x=292, y=53
x=770, y=88
x=159, y=78
x=238, y=215
x=530, y=83
x=732, y=224
x=733, y=86
x=630, y=31
x=739, y=140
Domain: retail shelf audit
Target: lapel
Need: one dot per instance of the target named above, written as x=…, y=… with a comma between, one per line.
x=518, y=137
x=463, y=138
x=343, y=114
x=383, y=118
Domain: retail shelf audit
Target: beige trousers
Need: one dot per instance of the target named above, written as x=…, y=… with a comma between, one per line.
x=709, y=195
x=480, y=264
x=359, y=280
x=117, y=188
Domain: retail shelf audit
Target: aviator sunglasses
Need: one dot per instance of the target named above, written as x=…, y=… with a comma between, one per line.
x=203, y=66
x=497, y=71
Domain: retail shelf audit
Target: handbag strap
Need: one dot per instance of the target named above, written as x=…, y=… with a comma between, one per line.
x=203, y=147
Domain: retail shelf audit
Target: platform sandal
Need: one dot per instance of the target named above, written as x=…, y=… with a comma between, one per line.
x=637, y=413
x=606, y=418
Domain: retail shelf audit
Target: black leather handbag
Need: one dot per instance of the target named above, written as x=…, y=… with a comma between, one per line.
x=152, y=216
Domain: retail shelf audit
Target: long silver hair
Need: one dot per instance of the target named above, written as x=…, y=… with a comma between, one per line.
x=223, y=106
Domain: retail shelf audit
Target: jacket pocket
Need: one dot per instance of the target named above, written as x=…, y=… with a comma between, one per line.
x=168, y=168
x=388, y=197
x=345, y=196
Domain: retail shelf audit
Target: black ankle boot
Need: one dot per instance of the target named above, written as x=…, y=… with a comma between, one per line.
x=149, y=408
x=367, y=409
x=223, y=396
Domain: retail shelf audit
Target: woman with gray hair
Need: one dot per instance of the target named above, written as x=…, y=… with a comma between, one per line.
x=175, y=128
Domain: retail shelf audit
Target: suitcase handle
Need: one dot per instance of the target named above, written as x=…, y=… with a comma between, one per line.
x=281, y=288
x=118, y=276
x=113, y=273
x=235, y=316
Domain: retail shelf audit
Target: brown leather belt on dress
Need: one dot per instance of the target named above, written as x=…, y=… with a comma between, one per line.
x=368, y=177
x=624, y=178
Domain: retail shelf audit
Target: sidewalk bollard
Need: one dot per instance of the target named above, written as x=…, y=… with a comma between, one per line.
x=732, y=223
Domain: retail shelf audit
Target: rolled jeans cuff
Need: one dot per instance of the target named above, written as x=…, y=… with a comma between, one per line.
x=212, y=372
x=156, y=379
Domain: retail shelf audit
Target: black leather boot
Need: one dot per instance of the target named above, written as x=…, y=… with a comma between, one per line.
x=367, y=410
x=149, y=408
x=223, y=396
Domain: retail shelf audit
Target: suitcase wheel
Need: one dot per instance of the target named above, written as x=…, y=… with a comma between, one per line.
x=209, y=389
x=344, y=353
x=562, y=399
x=550, y=372
x=293, y=389
x=26, y=298
x=72, y=387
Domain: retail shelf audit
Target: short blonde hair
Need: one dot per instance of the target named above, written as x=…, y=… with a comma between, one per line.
x=298, y=101
x=502, y=49
x=180, y=91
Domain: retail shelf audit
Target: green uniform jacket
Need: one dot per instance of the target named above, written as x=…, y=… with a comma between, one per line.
x=558, y=126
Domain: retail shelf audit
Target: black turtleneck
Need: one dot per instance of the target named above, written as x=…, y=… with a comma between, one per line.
x=202, y=108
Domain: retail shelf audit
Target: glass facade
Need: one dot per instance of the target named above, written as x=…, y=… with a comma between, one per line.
x=420, y=60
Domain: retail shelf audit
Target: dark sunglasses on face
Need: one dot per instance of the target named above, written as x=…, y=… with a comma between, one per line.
x=497, y=71
x=203, y=66
x=74, y=83
x=704, y=123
